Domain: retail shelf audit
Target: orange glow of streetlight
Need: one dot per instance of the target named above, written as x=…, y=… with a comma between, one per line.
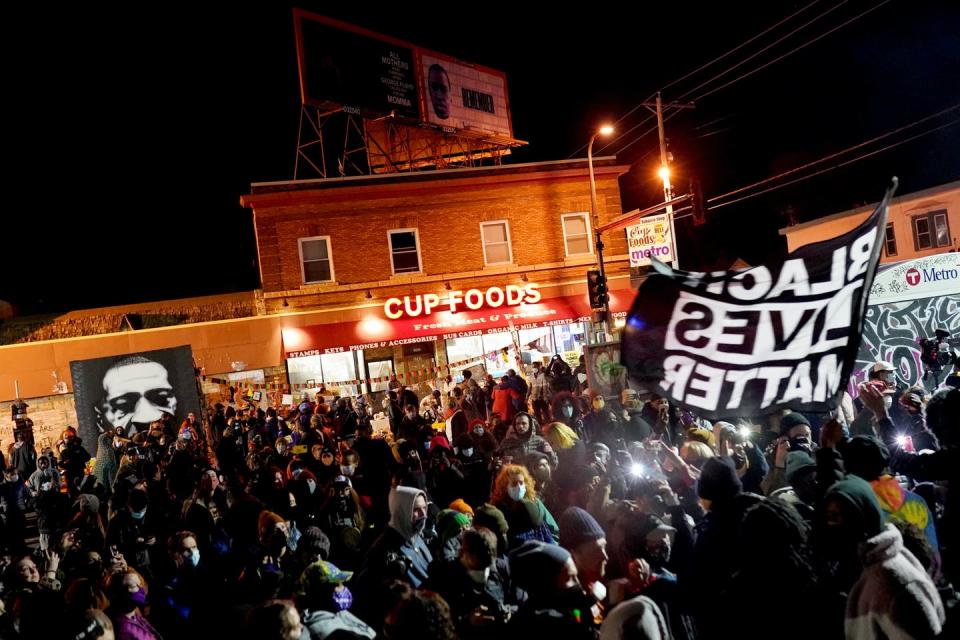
x=664, y=173
x=606, y=130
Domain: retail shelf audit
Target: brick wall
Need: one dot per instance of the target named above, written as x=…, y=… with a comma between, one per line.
x=448, y=221
x=50, y=415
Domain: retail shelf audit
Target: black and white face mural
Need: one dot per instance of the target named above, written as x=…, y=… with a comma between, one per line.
x=133, y=390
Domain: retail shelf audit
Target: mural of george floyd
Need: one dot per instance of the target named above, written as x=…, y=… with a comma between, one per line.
x=132, y=390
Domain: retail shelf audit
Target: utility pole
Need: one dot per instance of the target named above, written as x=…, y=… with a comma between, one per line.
x=657, y=107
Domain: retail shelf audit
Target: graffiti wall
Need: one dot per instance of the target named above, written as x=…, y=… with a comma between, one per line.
x=892, y=332
x=908, y=301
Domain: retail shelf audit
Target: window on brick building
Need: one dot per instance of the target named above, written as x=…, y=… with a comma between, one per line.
x=316, y=262
x=931, y=230
x=576, y=234
x=404, y=251
x=496, y=242
x=890, y=241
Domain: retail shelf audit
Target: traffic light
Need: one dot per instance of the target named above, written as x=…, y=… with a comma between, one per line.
x=698, y=204
x=597, y=289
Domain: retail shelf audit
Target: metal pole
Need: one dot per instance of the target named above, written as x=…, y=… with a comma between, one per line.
x=599, y=242
x=665, y=169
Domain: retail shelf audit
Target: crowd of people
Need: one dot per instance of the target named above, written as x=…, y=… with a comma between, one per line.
x=493, y=508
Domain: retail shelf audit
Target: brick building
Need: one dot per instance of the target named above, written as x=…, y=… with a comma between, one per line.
x=382, y=257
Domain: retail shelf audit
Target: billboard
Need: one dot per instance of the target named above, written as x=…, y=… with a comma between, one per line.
x=458, y=95
x=652, y=237
x=133, y=389
x=343, y=65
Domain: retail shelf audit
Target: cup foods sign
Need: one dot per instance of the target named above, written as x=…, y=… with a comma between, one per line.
x=472, y=299
x=653, y=237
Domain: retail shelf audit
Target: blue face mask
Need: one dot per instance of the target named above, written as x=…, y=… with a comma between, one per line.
x=138, y=515
x=426, y=445
x=195, y=557
x=342, y=599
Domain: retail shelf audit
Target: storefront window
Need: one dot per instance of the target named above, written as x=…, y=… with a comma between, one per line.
x=499, y=353
x=536, y=345
x=327, y=368
x=570, y=339
x=460, y=350
x=339, y=367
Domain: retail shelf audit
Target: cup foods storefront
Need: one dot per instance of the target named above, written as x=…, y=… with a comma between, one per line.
x=422, y=337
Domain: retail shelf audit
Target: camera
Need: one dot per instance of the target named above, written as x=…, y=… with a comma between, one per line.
x=395, y=565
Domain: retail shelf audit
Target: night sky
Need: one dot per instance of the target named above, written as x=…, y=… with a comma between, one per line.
x=134, y=134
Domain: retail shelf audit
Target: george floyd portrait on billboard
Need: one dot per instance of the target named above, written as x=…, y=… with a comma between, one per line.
x=132, y=390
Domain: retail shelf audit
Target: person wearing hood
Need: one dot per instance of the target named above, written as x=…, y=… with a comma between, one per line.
x=48, y=502
x=635, y=619
x=326, y=602
x=713, y=564
x=601, y=424
x=774, y=551
x=473, y=585
x=566, y=409
x=556, y=605
x=635, y=427
x=133, y=531
x=795, y=435
x=800, y=492
x=483, y=439
x=891, y=596
x=522, y=438
x=867, y=457
x=942, y=418
x=474, y=466
x=401, y=552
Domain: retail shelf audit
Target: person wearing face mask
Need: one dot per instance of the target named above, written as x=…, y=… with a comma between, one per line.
x=474, y=467
x=556, y=605
x=14, y=497
x=601, y=424
x=343, y=516
x=127, y=591
x=514, y=493
x=178, y=608
x=567, y=411
x=484, y=441
x=635, y=427
x=400, y=552
x=474, y=586
x=325, y=603
x=133, y=531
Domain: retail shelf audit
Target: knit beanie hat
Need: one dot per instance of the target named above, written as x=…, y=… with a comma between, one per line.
x=577, y=526
x=450, y=523
x=792, y=420
x=536, y=564
x=314, y=541
x=862, y=502
x=718, y=480
x=798, y=461
x=461, y=506
x=489, y=517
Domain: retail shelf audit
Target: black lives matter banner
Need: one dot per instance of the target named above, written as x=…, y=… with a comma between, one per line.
x=746, y=343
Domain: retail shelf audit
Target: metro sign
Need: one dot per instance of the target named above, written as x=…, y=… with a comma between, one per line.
x=915, y=276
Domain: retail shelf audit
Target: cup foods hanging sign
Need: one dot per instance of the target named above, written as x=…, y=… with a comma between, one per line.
x=471, y=299
x=652, y=238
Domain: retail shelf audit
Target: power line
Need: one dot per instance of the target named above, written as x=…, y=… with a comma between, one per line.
x=835, y=154
x=697, y=70
x=766, y=48
x=792, y=51
x=837, y=166
x=765, y=65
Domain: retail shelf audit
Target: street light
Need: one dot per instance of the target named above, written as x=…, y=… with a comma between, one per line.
x=664, y=173
x=604, y=130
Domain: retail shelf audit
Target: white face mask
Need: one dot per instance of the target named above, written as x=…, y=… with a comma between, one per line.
x=517, y=491
x=386, y=403
x=468, y=453
x=195, y=557
x=347, y=469
x=479, y=575
x=311, y=486
x=567, y=411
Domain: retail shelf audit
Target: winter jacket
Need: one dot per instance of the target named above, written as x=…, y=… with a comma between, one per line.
x=519, y=446
x=323, y=624
x=400, y=539
x=894, y=597
x=106, y=466
x=504, y=399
